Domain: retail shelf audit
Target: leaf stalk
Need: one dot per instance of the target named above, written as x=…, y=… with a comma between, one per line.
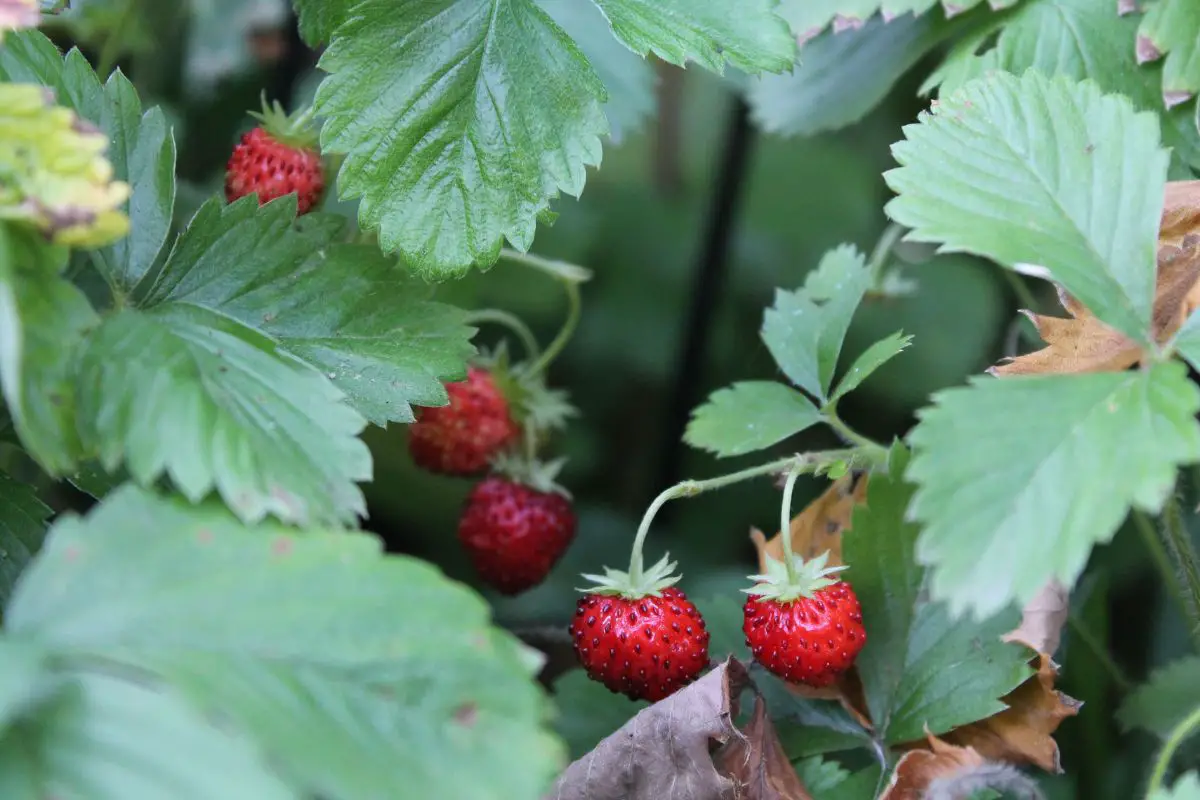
x=1187, y=565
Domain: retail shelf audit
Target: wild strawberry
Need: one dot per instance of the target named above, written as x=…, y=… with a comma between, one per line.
x=638, y=635
x=275, y=159
x=806, y=628
x=463, y=437
x=514, y=534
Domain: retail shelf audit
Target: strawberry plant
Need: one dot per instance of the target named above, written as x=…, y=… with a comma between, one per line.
x=320, y=479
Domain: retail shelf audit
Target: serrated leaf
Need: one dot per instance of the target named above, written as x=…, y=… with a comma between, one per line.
x=810, y=17
x=319, y=18
x=108, y=739
x=749, y=416
x=460, y=121
x=921, y=670
x=1186, y=787
x=1165, y=700
x=820, y=776
x=870, y=360
x=1172, y=28
x=1034, y=170
x=141, y=147
x=1052, y=488
x=746, y=34
x=629, y=79
x=352, y=690
x=345, y=309
x=1187, y=340
x=43, y=323
x=804, y=329
x=22, y=526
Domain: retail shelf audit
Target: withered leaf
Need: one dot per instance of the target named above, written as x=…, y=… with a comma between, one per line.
x=1043, y=618
x=917, y=769
x=664, y=753
x=757, y=763
x=819, y=527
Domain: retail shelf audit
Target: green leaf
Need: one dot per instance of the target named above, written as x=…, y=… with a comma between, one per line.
x=749, y=416
x=319, y=18
x=43, y=323
x=820, y=776
x=460, y=120
x=870, y=360
x=22, y=682
x=1052, y=489
x=1042, y=171
x=1172, y=27
x=356, y=673
x=810, y=17
x=22, y=526
x=629, y=79
x=588, y=712
x=1187, y=340
x=747, y=34
x=920, y=669
x=1186, y=787
x=1165, y=700
x=141, y=147
x=107, y=739
x=805, y=328
x=345, y=309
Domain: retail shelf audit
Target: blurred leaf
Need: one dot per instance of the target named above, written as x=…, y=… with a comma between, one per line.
x=1186, y=787
x=319, y=18
x=355, y=689
x=1172, y=28
x=984, y=540
x=1165, y=700
x=1096, y=225
x=809, y=17
x=749, y=416
x=588, y=712
x=1187, y=340
x=220, y=34
x=22, y=683
x=22, y=526
x=805, y=328
x=921, y=670
x=870, y=360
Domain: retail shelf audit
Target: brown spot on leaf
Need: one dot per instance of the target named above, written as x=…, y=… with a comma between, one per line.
x=204, y=536
x=1146, y=50
x=466, y=714
x=1127, y=7
x=72, y=553
x=282, y=546
x=843, y=23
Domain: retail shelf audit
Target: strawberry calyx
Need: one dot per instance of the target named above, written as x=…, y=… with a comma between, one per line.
x=538, y=409
x=529, y=471
x=806, y=579
x=650, y=583
x=291, y=130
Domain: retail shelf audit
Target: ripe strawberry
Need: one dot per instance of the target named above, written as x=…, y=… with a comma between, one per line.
x=807, y=631
x=462, y=438
x=638, y=640
x=514, y=534
x=275, y=159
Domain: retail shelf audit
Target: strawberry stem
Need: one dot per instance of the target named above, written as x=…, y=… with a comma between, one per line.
x=570, y=275
x=510, y=321
x=874, y=452
x=785, y=523
x=883, y=250
x=1177, y=737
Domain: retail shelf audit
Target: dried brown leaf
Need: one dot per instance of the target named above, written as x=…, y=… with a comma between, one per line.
x=819, y=527
x=918, y=768
x=758, y=764
x=1043, y=618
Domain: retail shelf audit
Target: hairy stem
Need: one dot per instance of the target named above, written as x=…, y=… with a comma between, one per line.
x=1187, y=566
x=570, y=275
x=871, y=450
x=1180, y=733
x=1158, y=554
x=785, y=523
x=564, y=333
x=883, y=250
x=510, y=321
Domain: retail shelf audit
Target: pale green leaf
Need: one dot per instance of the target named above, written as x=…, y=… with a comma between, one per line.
x=103, y=738
x=460, y=120
x=1165, y=700
x=22, y=526
x=1186, y=787
x=1053, y=488
x=141, y=147
x=1042, y=171
x=319, y=18
x=870, y=360
x=746, y=34
x=179, y=390
x=805, y=328
x=1172, y=28
x=810, y=17
x=23, y=683
x=347, y=310
x=628, y=78
x=316, y=644
x=1187, y=340
x=43, y=324
x=920, y=669
x=749, y=416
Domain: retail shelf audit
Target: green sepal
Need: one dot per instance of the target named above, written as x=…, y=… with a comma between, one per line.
x=539, y=475
x=811, y=577
x=534, y=406
x=617, y=583
x=291, y=130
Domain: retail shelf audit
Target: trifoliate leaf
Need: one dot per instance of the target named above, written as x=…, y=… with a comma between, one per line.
x=749, y=416
x=355, y=673
x=1051, y=492
x=1186, y=787
x=746, y=34
x=870, y=360
x=805, y=328
x=22, y=525
x=628, y=78
x=17, y=14
x=921, y=670
x=107, y=738
x=44, y=320
x=1034, y=170
x=345, y=309
x=460, y=120
x=1171, y=28
x=1165, y=700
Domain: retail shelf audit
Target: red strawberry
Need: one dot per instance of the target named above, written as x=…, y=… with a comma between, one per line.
x=514, y=534
x=275, y=159
x=643, y=644
x=462, y=438
x=808, y=631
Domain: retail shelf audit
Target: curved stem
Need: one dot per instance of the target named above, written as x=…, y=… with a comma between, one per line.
x=564, y=333
x=570, y=275
x=785, y=523
x=1187, y=565
x=872, y=450
x=111, y=50
x=1180, y=732
x=883, y=248
x=510, y=321
x=564, y=271
x=1158, y=554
